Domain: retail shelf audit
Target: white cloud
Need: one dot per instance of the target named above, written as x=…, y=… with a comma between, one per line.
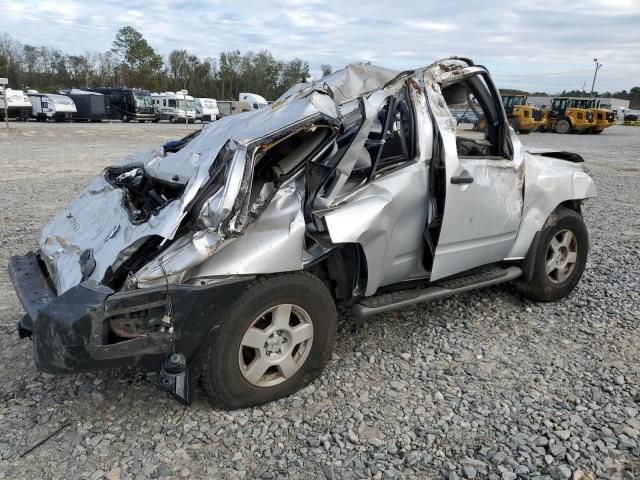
x=430, y=26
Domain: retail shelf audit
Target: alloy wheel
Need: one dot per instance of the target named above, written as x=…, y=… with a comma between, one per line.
x=276, y=345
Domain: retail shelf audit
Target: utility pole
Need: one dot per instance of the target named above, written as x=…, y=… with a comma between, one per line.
x=595, y=74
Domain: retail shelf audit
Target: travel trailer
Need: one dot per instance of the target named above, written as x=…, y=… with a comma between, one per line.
x=254, y=100
x=18, y=104
x=51, y=106
x=128, y=104
x=226, y=107
x=175, y=107
x=90, y=106
x=206, y=109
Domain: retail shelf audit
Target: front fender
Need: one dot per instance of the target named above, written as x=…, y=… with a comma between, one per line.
x=548, y=183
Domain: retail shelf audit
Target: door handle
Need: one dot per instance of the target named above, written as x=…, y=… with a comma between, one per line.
x=461, y=180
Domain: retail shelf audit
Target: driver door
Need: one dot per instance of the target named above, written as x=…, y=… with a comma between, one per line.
x=483, y=202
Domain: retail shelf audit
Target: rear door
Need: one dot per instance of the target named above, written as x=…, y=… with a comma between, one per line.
x=483, y=202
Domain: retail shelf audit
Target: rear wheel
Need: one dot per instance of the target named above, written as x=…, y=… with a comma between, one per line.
x=125, y=118
x=172, y=120
x=597, y=132
x=276, y=339
x=563, y=126
x=560, y=258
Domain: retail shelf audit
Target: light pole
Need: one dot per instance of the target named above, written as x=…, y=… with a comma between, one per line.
x=598, y=67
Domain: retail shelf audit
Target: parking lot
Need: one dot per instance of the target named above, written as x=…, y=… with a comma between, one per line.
x=481, y=384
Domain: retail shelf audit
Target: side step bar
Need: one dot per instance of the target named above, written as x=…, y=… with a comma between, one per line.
x=445, y=288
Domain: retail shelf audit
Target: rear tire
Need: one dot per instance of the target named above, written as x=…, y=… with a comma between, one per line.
x=597, y=132
x=172, y=120
x=563, y=126
x=276, y=339
x=560, y=258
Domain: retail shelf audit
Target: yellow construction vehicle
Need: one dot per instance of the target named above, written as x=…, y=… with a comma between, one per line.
x=603, y=118
x=565, y=118
x=522, y=117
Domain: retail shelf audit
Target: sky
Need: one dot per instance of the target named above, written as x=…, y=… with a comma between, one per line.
x=535, y=45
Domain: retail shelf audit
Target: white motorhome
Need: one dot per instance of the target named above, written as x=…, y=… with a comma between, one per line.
x=175, y=107
x=18, y=104
x=206, y=109
x=51, y=106
x=254, y=100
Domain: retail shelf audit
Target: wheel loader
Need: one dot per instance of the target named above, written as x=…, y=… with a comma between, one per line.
x=603, y=118
x=565, y=117
x=522, y=117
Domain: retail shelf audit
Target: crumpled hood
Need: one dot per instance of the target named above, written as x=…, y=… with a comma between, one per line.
x=97, y=223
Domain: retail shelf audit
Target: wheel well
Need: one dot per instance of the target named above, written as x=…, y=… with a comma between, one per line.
x=575, y=205
x=343, y=271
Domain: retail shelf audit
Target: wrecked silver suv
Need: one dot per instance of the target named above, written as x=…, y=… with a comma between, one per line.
x=223, y=257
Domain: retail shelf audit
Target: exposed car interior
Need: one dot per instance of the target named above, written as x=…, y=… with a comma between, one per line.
x=481, y=126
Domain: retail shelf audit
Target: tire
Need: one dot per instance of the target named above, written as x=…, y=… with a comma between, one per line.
x=597, y=132
x=525, y=132
x=514, y=124
x=140, y=121
x=563, y=126
x=125, y=118
x=562, y=277
x=172, y=120
x=231, y=372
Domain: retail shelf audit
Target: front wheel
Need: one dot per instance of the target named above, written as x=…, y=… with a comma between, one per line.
x=560, y=258
x=563, y=126
x=275, y=340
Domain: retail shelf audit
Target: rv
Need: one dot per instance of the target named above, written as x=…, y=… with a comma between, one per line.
x=18, y=104
x=128, y=104
x=206, y=109
x=90, y=106
x=226, y=107
x=254, y=100
x=175, y=107
x=47, y=106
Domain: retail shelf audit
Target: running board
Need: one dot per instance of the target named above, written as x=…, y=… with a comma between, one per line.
x=442, y=289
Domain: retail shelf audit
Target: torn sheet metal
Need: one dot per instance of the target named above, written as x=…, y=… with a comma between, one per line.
x=98, y=221
x=274, y=242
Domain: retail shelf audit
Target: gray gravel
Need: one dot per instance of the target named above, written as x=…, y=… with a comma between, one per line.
x=486, y=385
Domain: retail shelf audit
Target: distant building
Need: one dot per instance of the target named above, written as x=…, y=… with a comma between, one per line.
x=605, y=102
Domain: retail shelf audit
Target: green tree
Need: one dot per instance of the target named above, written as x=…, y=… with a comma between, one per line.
x=326, y=69
x=140, y=59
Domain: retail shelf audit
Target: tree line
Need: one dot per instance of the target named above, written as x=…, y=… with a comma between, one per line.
x=133, y=62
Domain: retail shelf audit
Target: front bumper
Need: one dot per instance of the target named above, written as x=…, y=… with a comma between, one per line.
x=71, y=332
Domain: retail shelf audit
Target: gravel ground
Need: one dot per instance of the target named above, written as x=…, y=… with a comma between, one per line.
x=485, y=385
